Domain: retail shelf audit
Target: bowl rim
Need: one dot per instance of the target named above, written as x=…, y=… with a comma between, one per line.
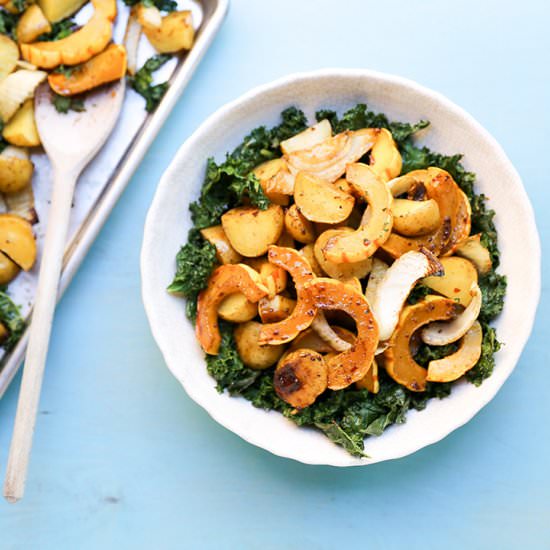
x=213, y=121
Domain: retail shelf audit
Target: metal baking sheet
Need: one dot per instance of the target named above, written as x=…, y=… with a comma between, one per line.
x=102, y=183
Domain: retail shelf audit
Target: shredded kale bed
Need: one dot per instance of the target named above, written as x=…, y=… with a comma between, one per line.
x=347, y=416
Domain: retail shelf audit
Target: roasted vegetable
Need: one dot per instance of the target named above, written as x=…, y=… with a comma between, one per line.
x=21, y=129
x=15, y=170
x=298, y=226
x=413, y=218
x=56, y=10
x=308, y=138
x=32, y=24
x=17, y=240
x=8, y=269
x=236, y=308
x=16, y=88
x=9, y=55
x=108, y=66
x=252, y=353
x=385, y=159
x=458, y=277
x=300, y=377
x=225, y=280
x=225, y=253
x=175, y=33
x=76, y=48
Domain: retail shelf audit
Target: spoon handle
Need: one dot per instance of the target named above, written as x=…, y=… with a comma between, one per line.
x=42, y=316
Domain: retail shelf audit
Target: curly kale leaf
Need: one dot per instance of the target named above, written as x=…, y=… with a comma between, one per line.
x=10, y=316
x=226, y=185
x=162, y=5
x=227, y=367
x=360, y=117
x=493, y=289
x=484, y=367
x=195, y=262
x=142, y=81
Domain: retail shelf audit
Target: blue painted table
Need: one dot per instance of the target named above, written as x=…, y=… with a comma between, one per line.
x=123, y=458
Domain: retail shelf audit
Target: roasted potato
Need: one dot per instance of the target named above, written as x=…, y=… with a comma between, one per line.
x=308, y=252
x=251, y=230
x=108, y=66
x=253, y=354
x=298, y=226
x=457, y=281
x=385, y=159
x=225, y=253
x=270, y=175
x=9, y=54
x=8, y=269
x=237, y=309
x=339, y=271
x=15, y=170
x=176, y=33
x=473, y=250
x=17, y=240
x=273, y=277
x=32, y=24
x=55, y=10
x=21, y=129
x=321, y=201
x=300, y=377
x=413, y=218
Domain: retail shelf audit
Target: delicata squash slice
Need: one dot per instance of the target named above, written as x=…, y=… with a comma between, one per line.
x=304, y=312
x=225, y=280
x=398, y=359
x=351, y=365
x=454, y=209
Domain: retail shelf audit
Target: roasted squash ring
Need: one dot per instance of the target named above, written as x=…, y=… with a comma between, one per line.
x=225, y=280
x=303, y=314
x=351, y=365
x=399, y=362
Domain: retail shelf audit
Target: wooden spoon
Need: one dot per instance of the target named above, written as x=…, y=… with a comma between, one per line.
x=71, y=141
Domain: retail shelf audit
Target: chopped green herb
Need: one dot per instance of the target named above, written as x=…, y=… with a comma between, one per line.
x=10, y=316
x=20, y=5
x=60, y=30
x=142, y=81
x=64, y=104
x=66, y=70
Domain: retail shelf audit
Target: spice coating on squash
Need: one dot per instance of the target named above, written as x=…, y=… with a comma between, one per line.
x=225, y=280
x=351, y=365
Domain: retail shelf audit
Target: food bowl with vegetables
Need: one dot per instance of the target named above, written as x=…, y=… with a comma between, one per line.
x=356, y=285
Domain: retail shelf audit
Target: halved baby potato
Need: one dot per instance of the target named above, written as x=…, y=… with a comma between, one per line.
x=336, y=270
x=251, y=230
x=308, y=138
x=9, y=55
x=8, y=269
x=32, y=24
x=236, y=308
x=272, y=176
x=253, y=354
x=225, y=253
x=17, y=240
x=414, y=218
x=321, y=201
x=21, y=129
x=15, y=170
x=175, y=33
x=298, y=226
x=457, y=280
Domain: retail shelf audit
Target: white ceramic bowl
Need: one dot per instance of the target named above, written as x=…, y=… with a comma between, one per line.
x=452, y=130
